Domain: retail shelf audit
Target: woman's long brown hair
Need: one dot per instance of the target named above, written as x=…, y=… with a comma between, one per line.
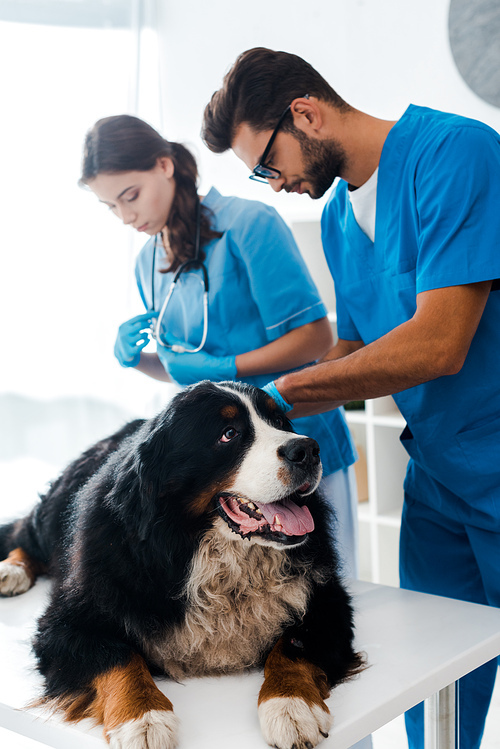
x=124, y=143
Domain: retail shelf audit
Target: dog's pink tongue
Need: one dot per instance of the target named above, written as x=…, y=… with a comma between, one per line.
x=296, y=521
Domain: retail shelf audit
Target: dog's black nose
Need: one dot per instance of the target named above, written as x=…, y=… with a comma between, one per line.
x=302, y=451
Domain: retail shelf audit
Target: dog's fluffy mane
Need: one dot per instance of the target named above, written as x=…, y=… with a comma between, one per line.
x=240, y=598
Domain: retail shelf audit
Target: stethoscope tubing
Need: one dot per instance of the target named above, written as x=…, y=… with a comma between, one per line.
x=192, y=262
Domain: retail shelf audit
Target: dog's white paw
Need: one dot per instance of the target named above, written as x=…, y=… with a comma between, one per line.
x=289, y=722
x=13, y=579
x=156, y=729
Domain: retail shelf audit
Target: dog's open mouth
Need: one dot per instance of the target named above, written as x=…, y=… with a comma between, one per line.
x=284, y=521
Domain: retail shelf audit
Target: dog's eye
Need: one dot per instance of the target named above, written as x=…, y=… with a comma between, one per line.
x=228, y=434
x=278, y=421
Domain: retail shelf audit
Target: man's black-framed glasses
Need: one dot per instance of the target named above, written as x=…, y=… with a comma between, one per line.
x=262, y=172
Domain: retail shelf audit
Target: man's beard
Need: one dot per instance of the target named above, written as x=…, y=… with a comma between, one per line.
x=324, y=160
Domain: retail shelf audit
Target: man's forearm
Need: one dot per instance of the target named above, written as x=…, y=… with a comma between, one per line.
x=358, y=376
x=432, y=344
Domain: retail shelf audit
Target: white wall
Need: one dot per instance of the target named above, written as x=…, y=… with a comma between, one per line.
x=58, y=334
x=380, y=55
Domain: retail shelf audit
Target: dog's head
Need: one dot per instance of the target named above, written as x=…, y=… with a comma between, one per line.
x=227, y=451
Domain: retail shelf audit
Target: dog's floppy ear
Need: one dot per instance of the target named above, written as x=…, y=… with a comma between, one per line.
x=153, y=470
x=165, y=458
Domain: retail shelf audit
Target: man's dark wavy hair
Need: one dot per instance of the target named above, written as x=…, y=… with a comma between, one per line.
x=256, y=90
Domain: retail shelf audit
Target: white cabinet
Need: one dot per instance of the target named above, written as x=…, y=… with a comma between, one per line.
x=380, y=473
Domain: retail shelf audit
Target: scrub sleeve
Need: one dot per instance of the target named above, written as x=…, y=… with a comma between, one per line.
x=260, y=289
x=437, y=225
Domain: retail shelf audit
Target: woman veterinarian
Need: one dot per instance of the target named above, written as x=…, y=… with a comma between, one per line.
x=253, y=315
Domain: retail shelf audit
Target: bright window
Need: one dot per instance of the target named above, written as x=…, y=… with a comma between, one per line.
x=66, y=272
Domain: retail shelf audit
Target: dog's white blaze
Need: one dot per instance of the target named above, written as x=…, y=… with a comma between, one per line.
x=156, y=729
x=13, y=579
x=289, y=721
x=259, y=475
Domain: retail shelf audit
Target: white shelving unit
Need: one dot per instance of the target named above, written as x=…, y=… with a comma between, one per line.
x=380, y=473
x=381, y=468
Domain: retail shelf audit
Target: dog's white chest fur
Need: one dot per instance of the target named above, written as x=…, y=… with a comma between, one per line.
x=241, y=595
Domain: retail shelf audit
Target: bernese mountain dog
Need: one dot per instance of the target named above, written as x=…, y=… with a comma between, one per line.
x=189, y=544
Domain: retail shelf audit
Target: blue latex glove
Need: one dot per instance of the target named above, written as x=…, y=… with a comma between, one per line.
x=132, y=337
x=273, y=391
x=186, y=369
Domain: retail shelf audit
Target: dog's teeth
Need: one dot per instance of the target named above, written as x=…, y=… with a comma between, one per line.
x=259, y=512
x=277, y=522
x=251, y=505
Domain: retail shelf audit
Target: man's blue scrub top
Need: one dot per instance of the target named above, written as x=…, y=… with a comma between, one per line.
x=437, y=225
x=259, y=290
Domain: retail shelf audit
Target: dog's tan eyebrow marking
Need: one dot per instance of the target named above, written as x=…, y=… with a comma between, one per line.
x=230, y=412
x=271, y=403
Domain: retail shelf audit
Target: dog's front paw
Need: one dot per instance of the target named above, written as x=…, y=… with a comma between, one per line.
x=14, y=579
x=156, y=729
x=292, y=723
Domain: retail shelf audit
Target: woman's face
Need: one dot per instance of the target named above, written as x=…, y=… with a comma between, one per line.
x=140, y=199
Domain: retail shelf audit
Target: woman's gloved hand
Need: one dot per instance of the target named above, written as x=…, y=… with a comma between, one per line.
x=133, y=336
x=187, y=369
x=275, y=394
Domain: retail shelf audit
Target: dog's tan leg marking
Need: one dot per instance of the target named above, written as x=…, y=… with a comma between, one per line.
x=136, y=715
x=292, y=709
x=134, y=712
x=18, y=573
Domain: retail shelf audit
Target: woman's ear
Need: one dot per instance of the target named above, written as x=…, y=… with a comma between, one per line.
x=166, y=165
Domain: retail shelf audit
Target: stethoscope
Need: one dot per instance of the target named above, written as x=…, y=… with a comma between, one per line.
x=192, y=263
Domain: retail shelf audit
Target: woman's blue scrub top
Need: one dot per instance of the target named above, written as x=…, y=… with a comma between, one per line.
x=259, y=290
x=437, y=225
